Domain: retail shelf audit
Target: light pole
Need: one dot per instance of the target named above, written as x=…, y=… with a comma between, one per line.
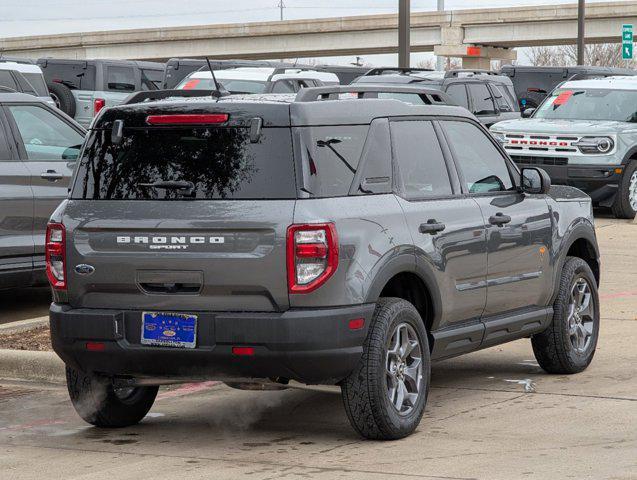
x=404, y=11
x=581, y=10
x=440, y=60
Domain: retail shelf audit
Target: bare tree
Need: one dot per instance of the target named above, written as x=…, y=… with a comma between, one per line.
x=599, y=54
x=430, y=63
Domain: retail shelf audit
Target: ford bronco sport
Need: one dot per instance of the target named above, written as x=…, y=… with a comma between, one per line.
x=584, y=135
x=330, y=237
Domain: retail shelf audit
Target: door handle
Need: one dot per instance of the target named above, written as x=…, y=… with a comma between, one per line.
x=499, y=219
x=51, y=175
x=431, y=227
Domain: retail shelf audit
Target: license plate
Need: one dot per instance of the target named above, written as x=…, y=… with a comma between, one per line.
x=169, y=329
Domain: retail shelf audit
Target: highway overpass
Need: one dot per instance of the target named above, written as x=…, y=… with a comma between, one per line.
x=496, y=30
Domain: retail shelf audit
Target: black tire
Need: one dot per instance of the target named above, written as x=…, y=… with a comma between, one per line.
x=554, y=348
x=98, y=403
x=63, y=98
x=621, y=207
x=365, y=392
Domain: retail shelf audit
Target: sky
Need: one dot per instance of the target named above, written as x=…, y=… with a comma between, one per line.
x=41, y=17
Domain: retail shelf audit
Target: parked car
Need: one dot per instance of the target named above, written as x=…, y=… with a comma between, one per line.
x=489, y=96
x=533, y=84
x=327, y=237
x=81, y=88
x=585, y=135
x=24, y=78
x=38, y=148
x=258, y=80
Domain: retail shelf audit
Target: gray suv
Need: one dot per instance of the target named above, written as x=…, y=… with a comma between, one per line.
x=332, y=237
x=38, y=149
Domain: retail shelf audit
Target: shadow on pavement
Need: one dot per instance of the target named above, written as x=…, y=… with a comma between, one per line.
x=25, y=303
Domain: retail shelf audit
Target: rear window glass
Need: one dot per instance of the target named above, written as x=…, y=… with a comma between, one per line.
x=37, y=81
x=329, y=158
x=120, y=79
x=209, y=163
x=74, y=75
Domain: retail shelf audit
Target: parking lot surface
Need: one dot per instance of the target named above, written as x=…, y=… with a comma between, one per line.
x=493, y=414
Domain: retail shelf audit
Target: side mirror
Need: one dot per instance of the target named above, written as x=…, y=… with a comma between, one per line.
x=535, y=181
x=527, y=112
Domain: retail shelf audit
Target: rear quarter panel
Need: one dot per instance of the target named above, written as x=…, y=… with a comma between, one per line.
x=372, y=233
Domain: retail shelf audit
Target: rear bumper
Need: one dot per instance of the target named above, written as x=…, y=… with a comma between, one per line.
x=307, y=345
x=600, y=182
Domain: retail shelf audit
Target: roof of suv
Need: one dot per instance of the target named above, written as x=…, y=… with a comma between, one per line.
x=137, y=63
x=18, y=97
x=434, y=77
x=20, y=67
x=312, y=106
x=624, y=82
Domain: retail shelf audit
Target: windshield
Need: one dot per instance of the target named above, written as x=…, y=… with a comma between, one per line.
x=590, y=104
x=233, y=85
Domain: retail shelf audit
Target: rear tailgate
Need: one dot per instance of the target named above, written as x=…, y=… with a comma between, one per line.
x=186, y=217
x=226, y=255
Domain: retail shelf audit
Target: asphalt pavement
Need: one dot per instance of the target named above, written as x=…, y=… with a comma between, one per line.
x=491, y=415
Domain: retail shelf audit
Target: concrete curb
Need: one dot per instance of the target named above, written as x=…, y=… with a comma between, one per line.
x=29, y=365
x=23, y=325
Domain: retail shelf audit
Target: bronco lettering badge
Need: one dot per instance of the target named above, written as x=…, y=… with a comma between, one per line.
x=178, y=242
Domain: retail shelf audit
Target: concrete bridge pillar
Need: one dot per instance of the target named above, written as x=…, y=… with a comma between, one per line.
x=473, y=56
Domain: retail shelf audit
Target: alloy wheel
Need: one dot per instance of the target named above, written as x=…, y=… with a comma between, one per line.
x=581, y=315
x=403, y=368
x=632, y=191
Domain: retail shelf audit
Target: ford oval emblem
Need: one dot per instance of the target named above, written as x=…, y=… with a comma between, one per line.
x=84, y=269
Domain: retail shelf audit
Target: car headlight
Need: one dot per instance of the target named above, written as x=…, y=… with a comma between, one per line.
x=595, y=145
x=500, y=137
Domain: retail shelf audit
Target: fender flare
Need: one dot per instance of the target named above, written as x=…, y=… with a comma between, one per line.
x=405, y=262
x=575, y=232
x=630, y=155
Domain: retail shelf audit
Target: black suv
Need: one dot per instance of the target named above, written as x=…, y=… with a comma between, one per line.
x=489, y=96
x=533, y=84
x=332, y=237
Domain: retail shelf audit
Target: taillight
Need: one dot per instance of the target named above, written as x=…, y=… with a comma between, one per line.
x=55, y=252
x=312, y=256
x=98, y=104
x=188, y=119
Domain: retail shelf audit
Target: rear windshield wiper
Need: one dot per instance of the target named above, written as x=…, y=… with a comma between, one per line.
x=185, y=188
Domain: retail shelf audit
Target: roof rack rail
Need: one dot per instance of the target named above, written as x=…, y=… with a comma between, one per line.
x=383, y=70
x=139, y=97
x=430, y=96
x=455, y=73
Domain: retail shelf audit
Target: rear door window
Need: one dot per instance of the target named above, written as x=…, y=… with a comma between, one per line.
x=212, y=163
x=120, y=79
x=458, y=94
x=6, y=80
x=45, y=136
x=330, y=157
x=37, y=81
x=502, y=98
x=283, y=86
x=481, y=98
x=421, y=164
x=79, y=76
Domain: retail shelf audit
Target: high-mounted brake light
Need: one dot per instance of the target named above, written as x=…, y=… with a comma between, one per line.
x=98, y=104
x=188, y=119
x=312, y=256
x=55, y=254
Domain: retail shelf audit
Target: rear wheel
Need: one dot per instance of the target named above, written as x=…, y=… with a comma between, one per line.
x=625, y=205
x=385, y=395
x=99, y=403
x=568, y=344
x=63, y=98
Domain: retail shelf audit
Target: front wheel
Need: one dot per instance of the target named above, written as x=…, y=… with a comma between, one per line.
x=385, y=395
x=625, y=205
x=568, y=345
x=99, y=403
